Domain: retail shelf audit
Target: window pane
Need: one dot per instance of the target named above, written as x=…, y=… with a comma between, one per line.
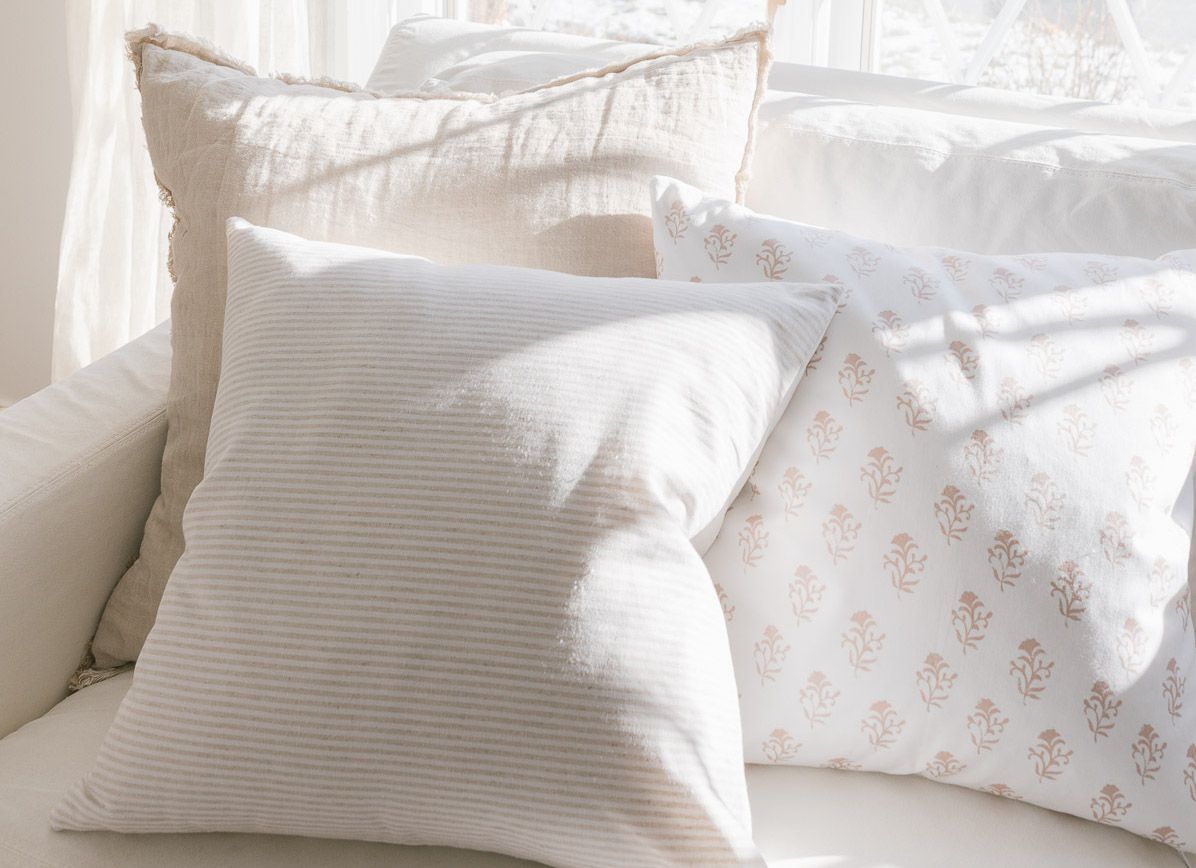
x=1139, y=52
x=665, y=22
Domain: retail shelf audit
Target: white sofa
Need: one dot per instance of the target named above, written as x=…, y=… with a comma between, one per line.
x=906, y=163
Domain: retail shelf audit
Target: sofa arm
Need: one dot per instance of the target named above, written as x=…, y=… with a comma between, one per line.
x=79, y=471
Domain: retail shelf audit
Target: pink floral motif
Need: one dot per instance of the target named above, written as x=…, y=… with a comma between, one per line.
x=1044, y=501
x=862, y=261
x=1049, y=755
x=964, y=361
x=1131, y=647
x=957, y=267
x=891, y=332
x=817, y=238
x=840, y=531
x=970, y=620
x=1137, y=340
x=794, y=488
x=1162, y=582
x=1116, y=539
x=1140, y=480
x=1071, y=591
x=1100, y=710
x=943, y=765
x=1116, y=387
x=1006, y=284
x=677, y=221
x=725, y=602
x=773, y=259
x=1015, y=402
x=863, y=641
x=719, y=243
x=855, y=377
x=917, y=407
x=769, y=654
x=659, y=265
x=1157, y=295
x=1076, y=430
x=1173, y=691
x=1030, y=670
x=805, y=594
x=1147, y=752
x=935, y=680
x=1190, y=772
x=880, y=475
x=1006, y=559
x=1164, y=427
x=823, y=435
x=753, y=540
x=1002, y=790
x=816, y=356
x=953, y=512
x=817, y=699
x=1110, y=805
x=1100, y=273
x=843, y=764
x=1046, y=355
x=1072, y=306
x=1033, y=263
x=780, y=746
x=882, y=726
x=921, y=284
x=845, y=290
x=986, y=725
x=1166, y=835
x=982, y=456
x=1183, y=608
x=903, y=562
x=986, y=319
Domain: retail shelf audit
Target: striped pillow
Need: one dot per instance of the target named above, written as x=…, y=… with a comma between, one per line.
x=439, y=571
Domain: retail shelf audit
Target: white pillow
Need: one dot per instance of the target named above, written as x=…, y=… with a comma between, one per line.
x=438, y=585
x=441, y=52
x=963, y=550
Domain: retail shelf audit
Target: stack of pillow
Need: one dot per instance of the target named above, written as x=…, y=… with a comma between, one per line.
x=472, y=506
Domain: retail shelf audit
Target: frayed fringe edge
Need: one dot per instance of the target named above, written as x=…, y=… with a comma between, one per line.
x=87, y=675
x=152, y=34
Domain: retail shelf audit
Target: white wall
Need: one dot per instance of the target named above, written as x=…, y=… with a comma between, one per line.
x=35, y=157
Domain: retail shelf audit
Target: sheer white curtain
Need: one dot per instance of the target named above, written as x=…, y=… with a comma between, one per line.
x=112, y=283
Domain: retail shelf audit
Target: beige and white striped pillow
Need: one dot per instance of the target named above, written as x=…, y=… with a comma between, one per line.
x=439, y=571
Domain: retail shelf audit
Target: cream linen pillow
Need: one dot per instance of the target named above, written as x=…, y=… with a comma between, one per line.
x=551, y=178
x=963, y=552
x=439, y=571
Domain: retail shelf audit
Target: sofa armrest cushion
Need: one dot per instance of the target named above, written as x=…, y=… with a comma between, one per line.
x=79, y=468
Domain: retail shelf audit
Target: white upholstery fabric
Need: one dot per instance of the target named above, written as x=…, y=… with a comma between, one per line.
x=79, y=466
x=803, y=818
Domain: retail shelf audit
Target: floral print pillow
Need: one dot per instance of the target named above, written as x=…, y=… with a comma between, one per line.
x=963, y=552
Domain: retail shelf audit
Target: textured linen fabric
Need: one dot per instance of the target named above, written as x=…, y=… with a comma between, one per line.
x=439, y=571
x=796, y=815
x=550, y=178
x=963, y=551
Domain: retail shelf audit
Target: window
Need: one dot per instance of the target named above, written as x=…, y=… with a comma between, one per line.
x=1136, y=52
